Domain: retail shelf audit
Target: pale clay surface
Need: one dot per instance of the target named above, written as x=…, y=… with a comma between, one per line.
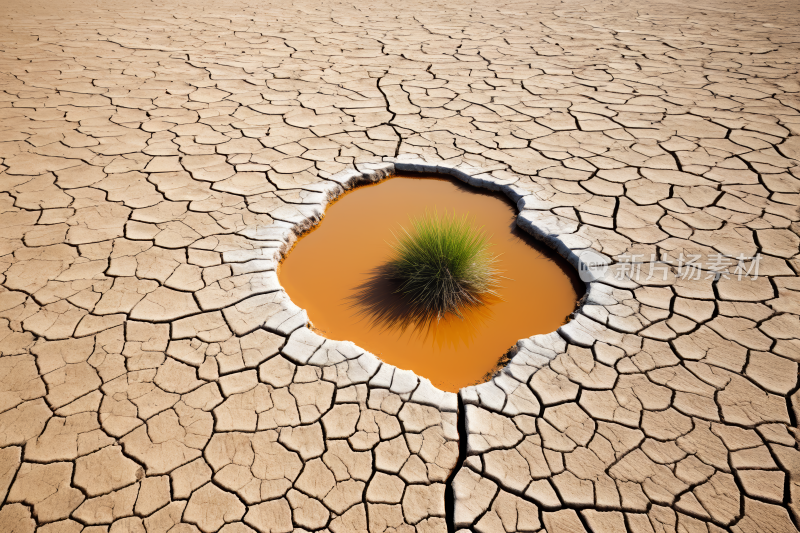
x=154, y=157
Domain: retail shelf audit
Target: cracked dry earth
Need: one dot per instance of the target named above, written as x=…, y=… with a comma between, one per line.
x=156, y=159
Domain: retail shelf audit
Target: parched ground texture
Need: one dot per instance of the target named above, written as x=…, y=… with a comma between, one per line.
x=155, y=378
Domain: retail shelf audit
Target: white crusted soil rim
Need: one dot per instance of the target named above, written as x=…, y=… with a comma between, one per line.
x=307, y=347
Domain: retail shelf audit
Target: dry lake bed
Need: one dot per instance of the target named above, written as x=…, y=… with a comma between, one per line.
x=158, y=160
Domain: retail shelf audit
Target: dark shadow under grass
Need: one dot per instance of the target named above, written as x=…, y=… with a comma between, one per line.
x=379, y=301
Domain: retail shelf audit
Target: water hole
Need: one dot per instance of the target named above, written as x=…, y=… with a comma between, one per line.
x=334, y=272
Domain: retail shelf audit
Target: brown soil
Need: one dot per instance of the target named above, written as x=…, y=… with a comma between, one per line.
x=333, y=272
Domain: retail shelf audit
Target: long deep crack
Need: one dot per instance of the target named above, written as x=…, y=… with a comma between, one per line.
x=449, y=495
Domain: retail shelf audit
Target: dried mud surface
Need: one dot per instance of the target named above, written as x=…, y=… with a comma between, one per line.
x=155, y=378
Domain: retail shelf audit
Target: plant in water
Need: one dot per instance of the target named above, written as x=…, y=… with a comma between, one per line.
x=442, y=265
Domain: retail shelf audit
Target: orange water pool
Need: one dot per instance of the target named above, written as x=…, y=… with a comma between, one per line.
x=331, y=272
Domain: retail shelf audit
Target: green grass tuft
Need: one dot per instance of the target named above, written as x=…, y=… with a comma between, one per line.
x=442, y=265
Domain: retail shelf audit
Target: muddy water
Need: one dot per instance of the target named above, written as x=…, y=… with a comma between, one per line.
x=334, y=273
